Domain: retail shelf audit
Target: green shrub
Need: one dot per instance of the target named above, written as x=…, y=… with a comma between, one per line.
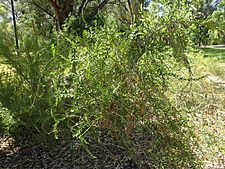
x=107, y=80
x=6, y=121
x=118, y=82
x=24, y=85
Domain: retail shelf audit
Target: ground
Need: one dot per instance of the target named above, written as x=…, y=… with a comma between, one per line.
x=66, y=154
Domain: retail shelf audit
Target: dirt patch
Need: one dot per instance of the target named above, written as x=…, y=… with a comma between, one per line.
x=217, y=80
x=219, y=163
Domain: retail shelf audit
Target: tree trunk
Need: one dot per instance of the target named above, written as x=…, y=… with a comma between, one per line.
x=62, y=10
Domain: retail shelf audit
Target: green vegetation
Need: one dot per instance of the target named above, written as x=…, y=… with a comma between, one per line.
x=138, y=81
x=216, y=53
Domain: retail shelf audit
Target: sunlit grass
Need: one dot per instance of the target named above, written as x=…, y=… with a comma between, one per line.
x=205, y=97
x=217, y=53
x=214, y=59
x=216, y=63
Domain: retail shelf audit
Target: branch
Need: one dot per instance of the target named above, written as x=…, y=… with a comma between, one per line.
x=81, y=7
x=39, y=7
x=124, y=6
x=97, y=8
x=131, y=10
x=56, y=8
x=5, y=7
x=102, y=4
x=85, y=5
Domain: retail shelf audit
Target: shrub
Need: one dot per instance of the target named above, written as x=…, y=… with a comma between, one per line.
x=107, y=80
x=118, y=81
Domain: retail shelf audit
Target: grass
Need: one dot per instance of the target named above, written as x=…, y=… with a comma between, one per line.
x=216, y=53
x=216, y=57
x=206, y=98
x=215, y=65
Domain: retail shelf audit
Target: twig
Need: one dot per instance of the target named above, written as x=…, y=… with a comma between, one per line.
x=41, y=8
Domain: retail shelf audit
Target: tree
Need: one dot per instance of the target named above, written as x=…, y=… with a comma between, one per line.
x=202, y=10
x=216, y=23
x=60, y=10
x=84, y=11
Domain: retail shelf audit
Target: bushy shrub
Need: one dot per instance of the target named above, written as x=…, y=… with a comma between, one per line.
x=118, y=81
x=23, y=82
x=6, y=121
x=107, y=80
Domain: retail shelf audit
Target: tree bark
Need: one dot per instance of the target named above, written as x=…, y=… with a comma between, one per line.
x=62, y=11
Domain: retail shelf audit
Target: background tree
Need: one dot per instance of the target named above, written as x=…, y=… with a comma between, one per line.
x=202, y=11
x=48, y=12
x=216, y=23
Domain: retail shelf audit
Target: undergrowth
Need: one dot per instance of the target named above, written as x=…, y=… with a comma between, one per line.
x=137, y=85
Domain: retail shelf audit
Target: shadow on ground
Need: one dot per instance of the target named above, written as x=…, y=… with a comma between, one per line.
x=64, y=155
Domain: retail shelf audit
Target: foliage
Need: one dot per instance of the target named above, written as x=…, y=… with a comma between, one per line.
x=125, y=80
x=201, y=30
x=54, y=13
x=214, y=23
x=6, y=121
x=106, y=80
x=117, y=81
